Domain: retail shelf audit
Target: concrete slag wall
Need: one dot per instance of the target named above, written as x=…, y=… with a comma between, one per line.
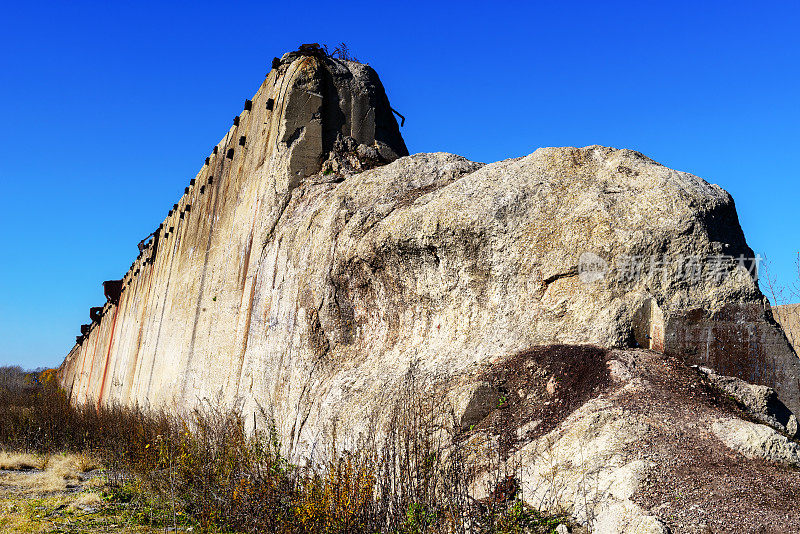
x=312, y=264
x=741, y=340
x=788, y=315
x=181, y=326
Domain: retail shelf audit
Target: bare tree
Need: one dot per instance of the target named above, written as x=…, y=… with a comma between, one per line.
x=12, y=379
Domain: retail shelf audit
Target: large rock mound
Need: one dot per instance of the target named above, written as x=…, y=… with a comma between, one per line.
x=281, y=279
x=312, y=266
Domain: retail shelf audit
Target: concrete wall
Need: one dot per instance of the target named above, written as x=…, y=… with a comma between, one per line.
x=788, y=316
x=180, y=330
x=738, y=340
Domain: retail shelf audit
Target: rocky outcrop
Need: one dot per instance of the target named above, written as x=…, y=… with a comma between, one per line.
x=757, y=441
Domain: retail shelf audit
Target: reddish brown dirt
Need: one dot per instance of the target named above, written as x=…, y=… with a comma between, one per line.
x=700, y=485
x=544, y=384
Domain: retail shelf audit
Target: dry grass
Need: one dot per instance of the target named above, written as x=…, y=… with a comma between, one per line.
x=42, y=475
x=86, y=462
x=20, y=461
x=75, y=513
x=87, y=500
x=60, y=498
x=205, y=469
x=61, y=471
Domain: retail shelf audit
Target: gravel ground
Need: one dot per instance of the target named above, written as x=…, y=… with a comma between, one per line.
x=700, y=485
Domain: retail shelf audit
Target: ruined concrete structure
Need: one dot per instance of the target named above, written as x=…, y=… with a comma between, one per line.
x=177, y=325
x=310, y=265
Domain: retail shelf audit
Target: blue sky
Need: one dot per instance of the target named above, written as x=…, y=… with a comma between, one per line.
x=108, y=109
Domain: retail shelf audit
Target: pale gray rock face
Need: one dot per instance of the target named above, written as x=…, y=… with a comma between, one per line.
x=760, y=402
x=582, y=469
x=455, y=269
x=757, y=441
x=446, y=264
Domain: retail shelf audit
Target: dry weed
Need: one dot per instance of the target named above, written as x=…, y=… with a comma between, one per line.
x=86, y=500
x=21, y=461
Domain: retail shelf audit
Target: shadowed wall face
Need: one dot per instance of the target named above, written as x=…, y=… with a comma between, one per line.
x=788, y=316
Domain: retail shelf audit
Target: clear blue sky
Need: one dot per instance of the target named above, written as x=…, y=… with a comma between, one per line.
x=107, y=109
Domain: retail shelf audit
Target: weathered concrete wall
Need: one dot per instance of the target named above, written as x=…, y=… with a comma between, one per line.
x=788, y=316
x=313, y=293
x=180, y=330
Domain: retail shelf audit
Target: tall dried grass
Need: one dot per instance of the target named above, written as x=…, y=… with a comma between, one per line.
x=206, y=465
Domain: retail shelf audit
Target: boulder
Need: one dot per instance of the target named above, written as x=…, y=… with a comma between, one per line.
x=757, y=441
x=760, y=402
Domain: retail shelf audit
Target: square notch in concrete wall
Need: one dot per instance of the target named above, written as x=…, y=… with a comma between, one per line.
x=270, y=103
x=229, y=155
x=242, y=140
x=236, y=120
x=248, y=105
